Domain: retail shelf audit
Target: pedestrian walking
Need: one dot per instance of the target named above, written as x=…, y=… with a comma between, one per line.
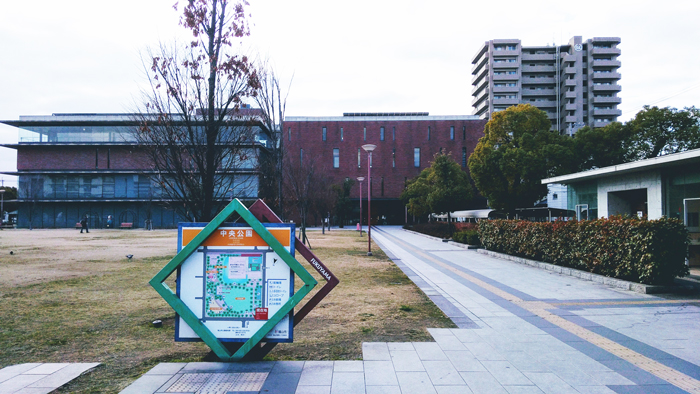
x=84, y=225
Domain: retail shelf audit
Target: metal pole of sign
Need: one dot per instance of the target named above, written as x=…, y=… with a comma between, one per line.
x=369, y=148
x=360, y=179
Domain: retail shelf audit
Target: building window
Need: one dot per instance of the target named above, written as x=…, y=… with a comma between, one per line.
x=382, y=194
x=452, y=132
x=464, y=157
x=554, y=196
x=365, y=134
x=416, y=157
x=301, y=156
x=289, y=134
x=393, y=158
x=428, y=133
x=336, y=158
x=359, y=158
x=393, y=133
x=97, y=162
x=464, y=132
x=341, y=133
x=324, y=133
x=381, y=134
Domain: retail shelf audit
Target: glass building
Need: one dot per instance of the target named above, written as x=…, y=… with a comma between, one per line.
x=662, y=186
x=72, y=165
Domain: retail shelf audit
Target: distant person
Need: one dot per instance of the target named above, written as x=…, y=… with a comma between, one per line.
x=110, y=221
x=84, y=225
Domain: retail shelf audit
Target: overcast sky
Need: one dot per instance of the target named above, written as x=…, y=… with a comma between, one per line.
x=360, y=56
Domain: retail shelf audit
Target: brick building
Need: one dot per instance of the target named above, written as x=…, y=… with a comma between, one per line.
x=406, y=143
x=70, y=165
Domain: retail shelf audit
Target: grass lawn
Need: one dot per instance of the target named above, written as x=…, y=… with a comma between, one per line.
x=70, y=297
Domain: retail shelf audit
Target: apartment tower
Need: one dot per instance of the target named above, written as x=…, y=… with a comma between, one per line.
x=576, y=84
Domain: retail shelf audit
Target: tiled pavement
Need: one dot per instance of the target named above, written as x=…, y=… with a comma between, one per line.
x=522, y=330
x=38, y=378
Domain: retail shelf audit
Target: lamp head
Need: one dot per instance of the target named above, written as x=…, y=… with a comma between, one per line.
x=360, y=178
x=369, y=147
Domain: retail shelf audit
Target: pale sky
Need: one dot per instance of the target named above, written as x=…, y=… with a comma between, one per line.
x=361, y=56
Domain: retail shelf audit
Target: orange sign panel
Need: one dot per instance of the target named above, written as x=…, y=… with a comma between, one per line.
x=236, y=236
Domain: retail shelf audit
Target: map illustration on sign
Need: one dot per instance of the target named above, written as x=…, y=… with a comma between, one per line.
x=233, y=285
x=234, y=282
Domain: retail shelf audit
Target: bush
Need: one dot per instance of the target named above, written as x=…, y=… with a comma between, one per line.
x=469, y=237
x=436, y=229
x=638, y=250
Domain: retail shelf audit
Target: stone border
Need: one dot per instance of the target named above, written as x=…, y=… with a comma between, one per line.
x=612, y=282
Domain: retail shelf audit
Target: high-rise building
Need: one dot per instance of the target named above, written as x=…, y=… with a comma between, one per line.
x=576, y=84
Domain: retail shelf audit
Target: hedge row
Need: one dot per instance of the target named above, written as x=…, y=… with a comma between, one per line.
x=469, y=237
x=638, y=250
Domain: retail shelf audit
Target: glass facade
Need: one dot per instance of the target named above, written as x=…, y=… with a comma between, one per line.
x=680, y=185
x=583, y=194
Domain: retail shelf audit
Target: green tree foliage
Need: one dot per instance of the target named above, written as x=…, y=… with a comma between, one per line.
x=602, y=147
x=441, y=188
x=517, y=151
x=658, y=131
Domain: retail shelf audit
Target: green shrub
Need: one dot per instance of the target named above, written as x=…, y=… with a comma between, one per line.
x=638, y=250
x=469, y=237
x=436, y=229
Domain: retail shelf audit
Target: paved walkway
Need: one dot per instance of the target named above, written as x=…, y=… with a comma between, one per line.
x=38, y=378
x=521, y=330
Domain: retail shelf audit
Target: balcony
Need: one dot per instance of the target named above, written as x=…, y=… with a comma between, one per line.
x=607, y=88
x=538, y=69
x=570, y=82
x=539, y=56
x=478, y=99
x=606, y=63
x=505, y=65
x=570, y=95
x=540, y=92
x=484, y=73
x=505, y=101
x=607, y=100
x=477, y=67
x=482, y=105
x=571, y=119
x=571, y=107
x=569, y=70
x=506, y=77
x=542, y=104
x=607, y=112
x=613, y=75
x=605, y=51
x=539, y=81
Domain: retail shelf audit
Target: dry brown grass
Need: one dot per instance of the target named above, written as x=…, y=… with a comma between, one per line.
x=67, y=298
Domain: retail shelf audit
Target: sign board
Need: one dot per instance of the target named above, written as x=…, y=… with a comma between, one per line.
x=233, y=282
x=231, y=245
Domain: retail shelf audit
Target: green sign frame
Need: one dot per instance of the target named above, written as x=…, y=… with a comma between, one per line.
x=158, y=283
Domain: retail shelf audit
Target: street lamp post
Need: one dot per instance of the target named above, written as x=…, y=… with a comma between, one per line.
x=369, y=148
x=360, y=179
x=2, y=206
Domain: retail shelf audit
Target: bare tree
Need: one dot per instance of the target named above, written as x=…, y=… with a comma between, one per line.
x=193, y=125
x=272, y=103
x=306, y=188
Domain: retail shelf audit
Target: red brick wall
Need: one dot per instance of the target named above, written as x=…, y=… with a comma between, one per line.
x=410, y=134
x=47, y=157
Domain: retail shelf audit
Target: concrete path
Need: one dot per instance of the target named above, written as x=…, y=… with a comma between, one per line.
x=40, y=378
x=521, y=330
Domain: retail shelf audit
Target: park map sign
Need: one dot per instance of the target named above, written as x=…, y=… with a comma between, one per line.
x=230, y=295
x=234, y=281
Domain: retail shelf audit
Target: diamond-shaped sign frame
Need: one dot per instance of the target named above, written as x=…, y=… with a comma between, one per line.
x=263, y=212
x=158, y=283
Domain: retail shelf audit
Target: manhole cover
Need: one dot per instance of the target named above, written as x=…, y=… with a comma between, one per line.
x=218, y=383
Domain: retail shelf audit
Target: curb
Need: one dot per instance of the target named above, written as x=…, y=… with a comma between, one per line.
x=612, y=282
